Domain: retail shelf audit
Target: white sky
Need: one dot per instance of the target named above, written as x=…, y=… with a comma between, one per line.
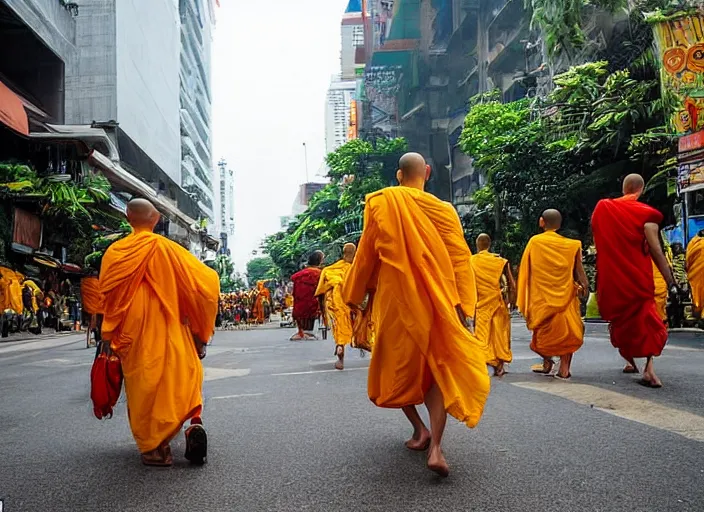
x=272, y=63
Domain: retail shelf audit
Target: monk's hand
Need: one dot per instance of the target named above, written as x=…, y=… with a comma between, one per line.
x=582, y=292
x=200, y=347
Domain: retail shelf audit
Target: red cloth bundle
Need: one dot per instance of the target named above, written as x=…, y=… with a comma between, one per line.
x=105, y=382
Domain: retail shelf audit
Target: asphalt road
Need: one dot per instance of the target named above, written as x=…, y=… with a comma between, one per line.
x=288, y=433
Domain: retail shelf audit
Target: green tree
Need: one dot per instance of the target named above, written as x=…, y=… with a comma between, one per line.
x=259, y=269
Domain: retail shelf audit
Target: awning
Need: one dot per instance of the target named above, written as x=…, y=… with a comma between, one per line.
x=116, y=174
x=12, y=112
x=692, y=188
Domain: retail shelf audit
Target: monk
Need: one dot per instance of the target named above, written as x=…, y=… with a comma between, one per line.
x=262, y=295
x=550, y=283
x=336, y=313
x=493, y=321
x=661, y=291
x=415, y=262
x=695, y=272
x=306, y=308
x=626, y=233
x=160, y=304
x=92, y=305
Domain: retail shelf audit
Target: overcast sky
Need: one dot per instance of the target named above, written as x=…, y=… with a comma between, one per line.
x=272, y=63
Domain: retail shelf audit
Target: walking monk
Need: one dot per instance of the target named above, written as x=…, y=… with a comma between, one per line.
x=336, y=313
x=626, y=234
x=263, y=294
x=493, y=322
x=695, y=272
x=414, y=259
x=550, y=280
x=305, y=304
x=160, y=307
x=92, y=305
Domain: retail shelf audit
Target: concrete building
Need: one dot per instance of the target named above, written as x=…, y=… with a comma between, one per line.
x=225, y=214
x=305, y=192
x=341, y=94
x=197, y=20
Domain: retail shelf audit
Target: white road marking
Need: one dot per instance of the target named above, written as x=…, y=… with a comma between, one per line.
x=26, y=346
x=52, y=363
x=318, y=371
x=683, y=349
x=224, y=373
x=642, y=411
x=227, y=397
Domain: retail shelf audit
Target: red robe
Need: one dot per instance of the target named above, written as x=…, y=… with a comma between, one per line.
x=624, y=276
x=305, y=303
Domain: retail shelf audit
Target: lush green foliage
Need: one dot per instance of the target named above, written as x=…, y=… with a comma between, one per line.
x=230, y=281
x=334, y=215
x=262, y=268
x=565, y=152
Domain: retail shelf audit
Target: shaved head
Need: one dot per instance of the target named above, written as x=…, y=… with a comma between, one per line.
x=483, y=242
x=348, y=252
x=551, y=219
x=316, y=259
x=142, y=214
x=633, y=184
x=412, y=170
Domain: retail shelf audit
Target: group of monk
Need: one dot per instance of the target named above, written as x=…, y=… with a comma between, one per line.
x=440, y=315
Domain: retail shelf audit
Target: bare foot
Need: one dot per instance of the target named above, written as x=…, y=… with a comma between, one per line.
x=437, y=462
x=499, y=370
x=419, y=442
x=651, y=380
x=297, y=337
x=630, y=368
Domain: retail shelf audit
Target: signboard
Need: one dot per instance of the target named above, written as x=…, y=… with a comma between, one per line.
x=690, y=174
x=352, y=129
x=680, y=49
x=26, y=231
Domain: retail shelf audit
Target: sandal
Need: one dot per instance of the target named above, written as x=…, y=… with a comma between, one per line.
x=196, y=444
x=161, y=457
x=540, y=368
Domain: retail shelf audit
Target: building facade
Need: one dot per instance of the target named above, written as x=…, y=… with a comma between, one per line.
x=337, y=112
x=225, y=215
x=197, y=20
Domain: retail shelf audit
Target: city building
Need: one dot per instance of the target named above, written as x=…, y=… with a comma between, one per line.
x=225, y=215
x=337, y=112
x=305, y=192
x=197, y=20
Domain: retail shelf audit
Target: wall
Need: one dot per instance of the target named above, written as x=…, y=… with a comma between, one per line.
x=91, y=78
x=147, y=68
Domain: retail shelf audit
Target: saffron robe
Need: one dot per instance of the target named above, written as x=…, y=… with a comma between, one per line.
x=262, y=294
x=415, y=260
x=547, y=294
x=91, y=296
x=695, y=272
x=157, y=297
x=625, y=285
x=493, y=321
x=338, y=313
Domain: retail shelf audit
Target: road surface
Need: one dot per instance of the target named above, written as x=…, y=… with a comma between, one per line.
x=288, y=433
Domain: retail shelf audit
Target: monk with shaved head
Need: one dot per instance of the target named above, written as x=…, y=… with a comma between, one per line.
x=550, y=282
x=306, y=308
x=496, y=290
x=337, y=315
x=627, y=238
x=159, y=306
x=414, y=262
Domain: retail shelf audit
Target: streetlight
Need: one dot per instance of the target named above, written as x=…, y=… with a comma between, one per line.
x=305, y=153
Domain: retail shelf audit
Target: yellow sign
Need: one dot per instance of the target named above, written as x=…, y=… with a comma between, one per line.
x=352, y=129
x=680, y=45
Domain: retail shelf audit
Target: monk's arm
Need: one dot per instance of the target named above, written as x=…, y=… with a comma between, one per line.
x=464, y=274
x=652, y=235
x=580, y=276
x=512, y=295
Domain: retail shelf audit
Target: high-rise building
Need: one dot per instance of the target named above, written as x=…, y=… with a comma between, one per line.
x=225, y=215
x=337, y=112
x=197, y=19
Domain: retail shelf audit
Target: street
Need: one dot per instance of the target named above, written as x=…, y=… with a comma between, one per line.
x=288, y=433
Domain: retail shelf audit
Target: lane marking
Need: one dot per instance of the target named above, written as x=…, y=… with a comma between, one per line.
x=627, y=407
x=318, y=371
x=53, y=363
x=224, y=373
x=227, y=397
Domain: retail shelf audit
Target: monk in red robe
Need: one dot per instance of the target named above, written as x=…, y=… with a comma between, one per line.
x=626, y=234
x=306, y=307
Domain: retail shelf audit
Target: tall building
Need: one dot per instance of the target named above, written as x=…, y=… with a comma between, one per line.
x=197, y=19
x=340, y=112
x=337, y=112
x=226, y=212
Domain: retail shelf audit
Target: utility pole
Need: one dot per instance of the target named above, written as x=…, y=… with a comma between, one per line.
x=305, y=154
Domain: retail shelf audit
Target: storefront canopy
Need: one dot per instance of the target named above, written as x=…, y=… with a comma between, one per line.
x=12, y=112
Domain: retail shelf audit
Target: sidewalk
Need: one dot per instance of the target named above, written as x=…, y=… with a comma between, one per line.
x=28, y=336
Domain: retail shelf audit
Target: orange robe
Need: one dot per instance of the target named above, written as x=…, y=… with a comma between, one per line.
x=695, y=272
x=493, y=321
x=91, y=296
x=338, y=313
x=547, y=294
x=258, y=309
x=14, y=290
x=414, y=257
x=158, y=296
x=661, y=292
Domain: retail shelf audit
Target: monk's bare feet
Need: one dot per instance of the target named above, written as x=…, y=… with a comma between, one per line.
x=630, y=367
x=420, y=441
x=499, y=370
x=649, y=378
x=437, y=462
x=299, y=336
x=340, y=353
